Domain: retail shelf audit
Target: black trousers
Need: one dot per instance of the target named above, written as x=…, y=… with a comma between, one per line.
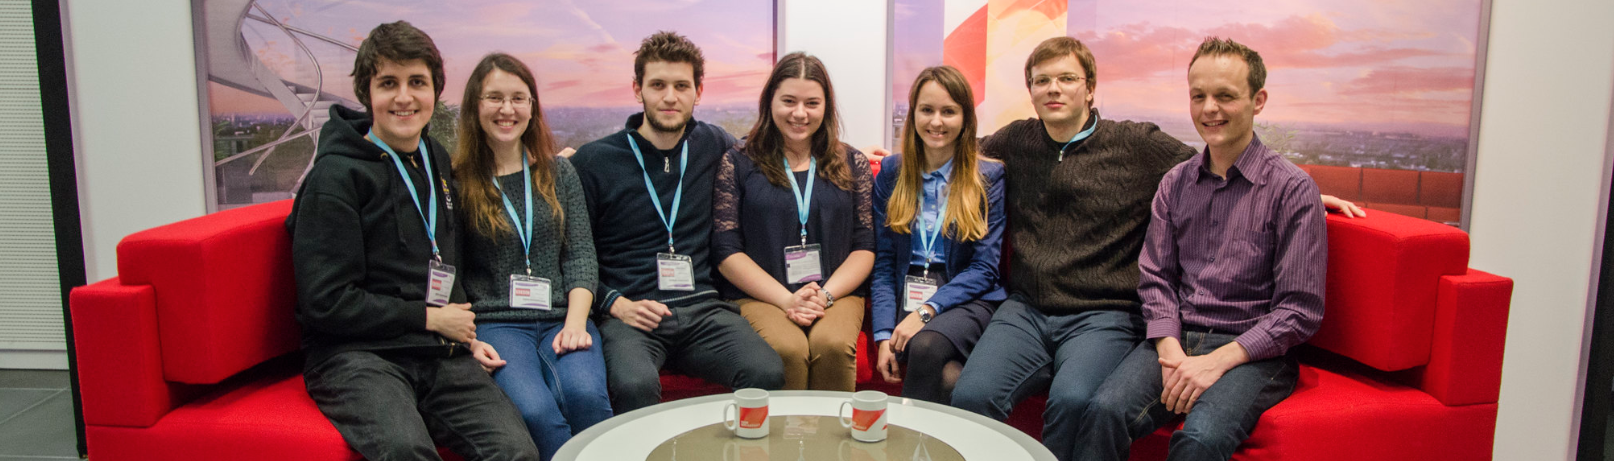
x=392, y=406
x=709, y=341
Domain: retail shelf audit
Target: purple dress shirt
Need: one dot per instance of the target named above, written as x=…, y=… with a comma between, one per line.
x=1244, y=255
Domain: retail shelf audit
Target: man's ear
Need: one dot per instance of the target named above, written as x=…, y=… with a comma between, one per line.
x=1260, y=100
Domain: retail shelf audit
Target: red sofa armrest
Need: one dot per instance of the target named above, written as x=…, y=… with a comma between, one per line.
x=1383, y=275
x=119, y=359
x=1471, y=323
x=224, y=287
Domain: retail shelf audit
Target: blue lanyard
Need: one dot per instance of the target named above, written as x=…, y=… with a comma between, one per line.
x=678, y=196
x=526, y=238
x=1079, y=136
x=429, y=217
x=933, y=231
x=803, y=203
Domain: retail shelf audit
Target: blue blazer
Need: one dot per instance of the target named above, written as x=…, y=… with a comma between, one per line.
x=972, y=267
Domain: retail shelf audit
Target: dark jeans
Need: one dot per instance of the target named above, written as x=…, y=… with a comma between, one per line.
x=1024, y=351
x=1128, y=405
x=558, y=396
x=392, y=406
x=709, y=341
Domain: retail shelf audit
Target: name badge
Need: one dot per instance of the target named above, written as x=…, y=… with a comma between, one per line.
x=528, y=292
x=919, y=290
x=801, y=264
x=675, y=272
x=439, y=283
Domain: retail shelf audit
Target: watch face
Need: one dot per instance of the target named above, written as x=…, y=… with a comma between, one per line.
x=924, y=316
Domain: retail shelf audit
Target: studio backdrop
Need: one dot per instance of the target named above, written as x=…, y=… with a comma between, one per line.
x=1377, y=100
x=273, y=68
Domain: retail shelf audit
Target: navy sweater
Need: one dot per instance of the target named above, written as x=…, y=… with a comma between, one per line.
x=628, y=233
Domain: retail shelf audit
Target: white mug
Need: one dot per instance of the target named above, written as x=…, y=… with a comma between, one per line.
x=751, y=408
x=746, y=450
x=868, y=420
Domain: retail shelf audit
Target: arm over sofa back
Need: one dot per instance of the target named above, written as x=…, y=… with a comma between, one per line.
x=195, y=302
x=1401, y=297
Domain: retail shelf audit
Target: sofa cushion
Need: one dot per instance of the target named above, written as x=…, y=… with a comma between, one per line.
x=225, y=292
x=1383, y=274
x=268, y=419
x=1344, y=415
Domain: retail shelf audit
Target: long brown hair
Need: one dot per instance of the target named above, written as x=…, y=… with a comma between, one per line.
x=966, y=197
x=474, y=162
x=765, y=145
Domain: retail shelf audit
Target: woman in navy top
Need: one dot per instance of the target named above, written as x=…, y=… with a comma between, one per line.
x=940, y=209
x=794, y=228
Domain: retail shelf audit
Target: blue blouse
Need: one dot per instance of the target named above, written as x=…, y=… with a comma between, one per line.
x=972, y=267
x=935, y=188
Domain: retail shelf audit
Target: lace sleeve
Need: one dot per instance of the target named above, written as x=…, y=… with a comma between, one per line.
x=726, y=196
x=863, y=185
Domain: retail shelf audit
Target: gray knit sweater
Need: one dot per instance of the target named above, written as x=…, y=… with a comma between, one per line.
x=1076, y=225
x=564, y=256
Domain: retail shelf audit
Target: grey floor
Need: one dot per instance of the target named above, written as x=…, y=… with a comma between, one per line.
x=36, y=416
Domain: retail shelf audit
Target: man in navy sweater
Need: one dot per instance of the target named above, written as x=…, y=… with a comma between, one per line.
x=649, y=191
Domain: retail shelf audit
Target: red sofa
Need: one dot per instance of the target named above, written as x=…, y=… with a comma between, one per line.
x=191, y=352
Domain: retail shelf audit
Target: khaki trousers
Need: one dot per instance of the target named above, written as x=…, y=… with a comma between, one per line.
x=819, y=357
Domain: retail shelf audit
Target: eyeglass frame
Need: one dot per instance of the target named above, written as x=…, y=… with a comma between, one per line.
x=495, y=100
x=1060, y=78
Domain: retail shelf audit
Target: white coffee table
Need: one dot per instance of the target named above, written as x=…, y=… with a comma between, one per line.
x=634, y=435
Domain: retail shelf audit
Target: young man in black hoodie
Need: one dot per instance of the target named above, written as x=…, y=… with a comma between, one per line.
x=388, y=337
x=649, y=191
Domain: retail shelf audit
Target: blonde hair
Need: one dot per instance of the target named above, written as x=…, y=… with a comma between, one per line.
x=967, y=203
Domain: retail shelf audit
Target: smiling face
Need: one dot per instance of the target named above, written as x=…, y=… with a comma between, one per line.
x=1221, y=104
x=401, y=101
x=669, y=94
x=938, y=119
x=798, y=109
x=1060, y=92
x=504, y=123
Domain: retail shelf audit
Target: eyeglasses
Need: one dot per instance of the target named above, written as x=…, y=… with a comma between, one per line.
x=1065, y=80
x=498, y=100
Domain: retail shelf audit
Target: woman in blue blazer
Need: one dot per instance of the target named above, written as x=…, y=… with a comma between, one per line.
x=939, y=210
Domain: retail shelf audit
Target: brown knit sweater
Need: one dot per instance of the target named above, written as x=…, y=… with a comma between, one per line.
x=1077, y=225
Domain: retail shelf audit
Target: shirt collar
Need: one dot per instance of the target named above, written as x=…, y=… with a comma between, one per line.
x=1252, y=164
x=946, y=171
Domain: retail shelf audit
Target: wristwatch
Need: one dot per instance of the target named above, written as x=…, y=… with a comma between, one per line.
x=925, y=315
x=829, y=299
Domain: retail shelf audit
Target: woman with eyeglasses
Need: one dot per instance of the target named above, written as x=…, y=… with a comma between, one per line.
x=529, y=268
x=939, y=206
x=794, y=228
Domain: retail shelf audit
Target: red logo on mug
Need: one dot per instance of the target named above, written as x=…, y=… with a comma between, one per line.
x=862, y=420
x=752, y=418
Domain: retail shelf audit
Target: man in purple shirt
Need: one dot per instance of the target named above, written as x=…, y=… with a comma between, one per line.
x=1232, y=279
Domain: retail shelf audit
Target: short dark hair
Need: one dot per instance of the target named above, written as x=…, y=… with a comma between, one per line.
x=1059, y=47
x=1215, y=46
x=398, y=42
x=668, y=46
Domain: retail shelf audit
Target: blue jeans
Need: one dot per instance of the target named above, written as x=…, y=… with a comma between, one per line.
x=1128, y=405
x=558, y=397
x=1024, y=351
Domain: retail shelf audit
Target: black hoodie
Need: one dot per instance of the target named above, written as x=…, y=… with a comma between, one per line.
x=359, y=248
